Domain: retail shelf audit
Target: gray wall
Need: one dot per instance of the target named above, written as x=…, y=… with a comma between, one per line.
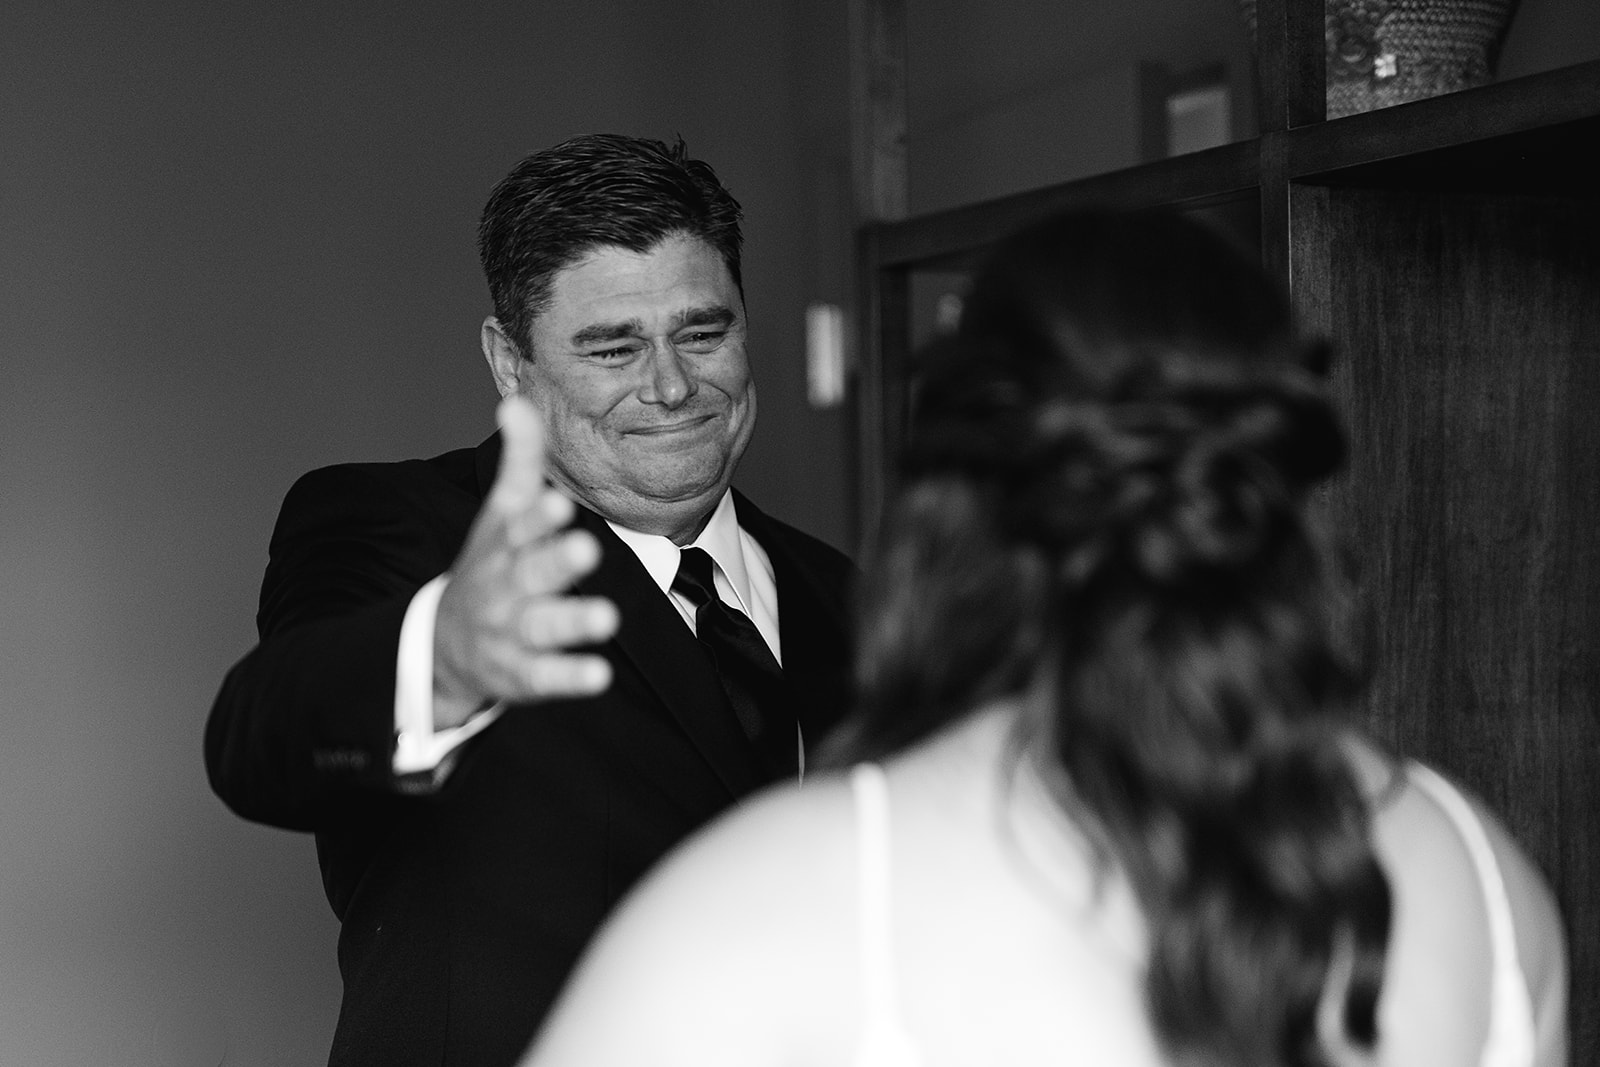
x=236, y=242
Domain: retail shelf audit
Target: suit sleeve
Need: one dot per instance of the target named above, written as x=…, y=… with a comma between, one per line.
x=307, y=718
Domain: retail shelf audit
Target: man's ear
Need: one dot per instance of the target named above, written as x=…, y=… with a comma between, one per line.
x=506, y=362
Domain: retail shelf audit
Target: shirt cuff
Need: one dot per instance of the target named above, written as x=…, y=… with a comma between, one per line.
x=419, y=750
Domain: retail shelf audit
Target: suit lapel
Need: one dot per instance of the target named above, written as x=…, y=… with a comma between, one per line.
x=812, y=628
x=812, y=625
x=488, y=463
x=653, y=637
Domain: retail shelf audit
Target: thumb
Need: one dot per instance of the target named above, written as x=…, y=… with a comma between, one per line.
x=521, y=476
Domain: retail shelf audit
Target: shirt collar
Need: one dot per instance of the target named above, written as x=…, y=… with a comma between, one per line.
x=719, y=539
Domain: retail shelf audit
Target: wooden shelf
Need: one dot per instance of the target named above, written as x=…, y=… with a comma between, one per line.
x=1450, y=248
x=1553, y=116
x=1537, y=133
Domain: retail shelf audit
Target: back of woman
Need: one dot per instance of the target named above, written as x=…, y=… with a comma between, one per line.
x=1474, y=972
x=965, y=924
x=1014, y=928
x=1100, y=801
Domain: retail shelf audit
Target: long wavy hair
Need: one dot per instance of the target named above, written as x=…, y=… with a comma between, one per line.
x=1104, y=514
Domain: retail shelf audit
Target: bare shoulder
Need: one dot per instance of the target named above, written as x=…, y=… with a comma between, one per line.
x=777, y=850
x=781, y=847
x=686, y=966
x=1537, y=928
x=1441, y=954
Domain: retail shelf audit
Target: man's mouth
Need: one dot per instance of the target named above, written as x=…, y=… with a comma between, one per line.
x=666, y=429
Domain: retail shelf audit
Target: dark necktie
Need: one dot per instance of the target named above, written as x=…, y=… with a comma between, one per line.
x=750, y=675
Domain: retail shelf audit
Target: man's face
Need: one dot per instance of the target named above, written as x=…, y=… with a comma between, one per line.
x=638, y=367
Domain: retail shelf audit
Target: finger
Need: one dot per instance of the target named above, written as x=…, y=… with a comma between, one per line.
x=554, y=675
x=552, y=565
x=549, y=513
x=551, y=623
x=519, y=483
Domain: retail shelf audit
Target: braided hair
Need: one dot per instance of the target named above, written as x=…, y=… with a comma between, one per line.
x=1105, y=512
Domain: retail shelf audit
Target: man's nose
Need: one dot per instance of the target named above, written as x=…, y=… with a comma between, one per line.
x=666, y=379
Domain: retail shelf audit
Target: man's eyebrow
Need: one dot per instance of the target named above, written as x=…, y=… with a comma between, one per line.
x=605, y=332
x=709, y=315
x=602, y=332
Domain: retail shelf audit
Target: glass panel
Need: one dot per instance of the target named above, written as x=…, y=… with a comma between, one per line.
x=935, y=303
x=1010, y=95
x=935, y=292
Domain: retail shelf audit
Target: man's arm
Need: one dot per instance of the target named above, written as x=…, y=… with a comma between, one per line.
x=310, y=709
x=310, y=712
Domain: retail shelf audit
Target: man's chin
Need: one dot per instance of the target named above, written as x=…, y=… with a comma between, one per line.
x=668, y=473
x=673, y=510
x=679, y=493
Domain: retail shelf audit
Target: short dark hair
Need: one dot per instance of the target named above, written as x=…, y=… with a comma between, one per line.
x=600, y=189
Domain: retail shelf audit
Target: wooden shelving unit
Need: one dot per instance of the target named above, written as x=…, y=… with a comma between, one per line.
x=1450, y=248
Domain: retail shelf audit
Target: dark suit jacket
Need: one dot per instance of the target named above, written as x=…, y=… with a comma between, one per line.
x=463, y=909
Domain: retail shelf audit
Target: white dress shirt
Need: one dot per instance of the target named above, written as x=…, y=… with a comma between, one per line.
x=742, y=575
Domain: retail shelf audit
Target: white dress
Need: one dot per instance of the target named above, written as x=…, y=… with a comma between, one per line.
x=884, y=1041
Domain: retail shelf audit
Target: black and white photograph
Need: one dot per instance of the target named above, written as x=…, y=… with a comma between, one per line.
x=892, y=533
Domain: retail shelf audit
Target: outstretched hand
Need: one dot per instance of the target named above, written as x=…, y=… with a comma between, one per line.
x=504, y=624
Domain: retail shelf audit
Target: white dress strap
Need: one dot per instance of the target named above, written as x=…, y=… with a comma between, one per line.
x=883, y=1040
x=1511, y=1039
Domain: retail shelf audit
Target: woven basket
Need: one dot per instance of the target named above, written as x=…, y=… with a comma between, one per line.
x=1385, y=52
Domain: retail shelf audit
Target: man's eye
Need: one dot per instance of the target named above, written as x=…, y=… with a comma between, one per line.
x=702, y=339
x=621, y=352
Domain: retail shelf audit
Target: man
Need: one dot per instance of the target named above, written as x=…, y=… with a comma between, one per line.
x=494, y=721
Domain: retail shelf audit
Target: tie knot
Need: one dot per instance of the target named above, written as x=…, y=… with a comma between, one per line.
x=694, y=577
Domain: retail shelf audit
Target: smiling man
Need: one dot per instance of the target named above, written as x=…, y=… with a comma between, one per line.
x=638, y=366
x=500, y=683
